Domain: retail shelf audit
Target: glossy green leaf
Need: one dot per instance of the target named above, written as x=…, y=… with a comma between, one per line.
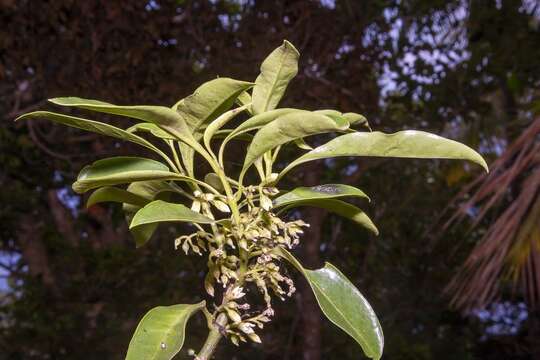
x=402, y=144
x=327, y=191
x=277, y=70
x=166, y=118
x=121, y=170
x=287, y=128
x=90, y=125
x=344, y=305
x=340, y=208
x=151, y=128
x=160, y=211
x=114, y=194
x=210, y=100
x=161, y=332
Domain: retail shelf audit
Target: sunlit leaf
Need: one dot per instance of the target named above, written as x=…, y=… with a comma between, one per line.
x=210, y=100
x=276, y=72
x=160, y=334
x=121, y=170
x=403, y=144
x=90, y=125
x=355, y=119
x=166, y=118
x=327, y=191
x=160, y=211
x=343, y=304
x=287, y=128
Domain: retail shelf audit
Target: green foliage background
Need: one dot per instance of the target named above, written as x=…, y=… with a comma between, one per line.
x=73, y=285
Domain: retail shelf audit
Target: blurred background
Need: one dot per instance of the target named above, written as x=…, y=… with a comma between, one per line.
x=455, y=273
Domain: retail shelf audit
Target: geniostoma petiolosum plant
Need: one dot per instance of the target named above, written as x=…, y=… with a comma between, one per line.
x=236, y=216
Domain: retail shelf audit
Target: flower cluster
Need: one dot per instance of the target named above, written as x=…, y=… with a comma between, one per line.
x=242, y=253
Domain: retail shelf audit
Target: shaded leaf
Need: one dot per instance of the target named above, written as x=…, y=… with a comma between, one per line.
x=148, y=190
x=151, y=128
x=343, y=304
x=341, y=208
x=245, y=99
x=402, y=144
x=114, y=194
x=218, y=123
x=161, y=332
x=276, y=72
x=160, y=211
x=213, y=180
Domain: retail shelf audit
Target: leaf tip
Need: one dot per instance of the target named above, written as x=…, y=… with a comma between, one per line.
x=288, y=44
x=78, y=187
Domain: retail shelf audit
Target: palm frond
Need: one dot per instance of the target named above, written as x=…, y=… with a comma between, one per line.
x=510, y=248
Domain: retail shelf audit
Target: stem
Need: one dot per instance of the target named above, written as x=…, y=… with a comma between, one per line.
x=213, y=338
x=175, y=155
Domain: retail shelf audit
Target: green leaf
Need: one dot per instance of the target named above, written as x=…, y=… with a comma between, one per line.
x=355, y=119
x=161, y=332
x=148, y=190
x=213, y=180
x=287, y=128
x=327, y=191
x=245, y=99
x=402, y=144
x=114, y=194
x=121, y=170
x=254, y=123
x=218, y=123
x=210, y=100
x=164, y=117
x=160, y=211
x=276, y=72
x=151, y=128
x=344, y=305
x=340, y=208
x=302, y=144
x=90, y=125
